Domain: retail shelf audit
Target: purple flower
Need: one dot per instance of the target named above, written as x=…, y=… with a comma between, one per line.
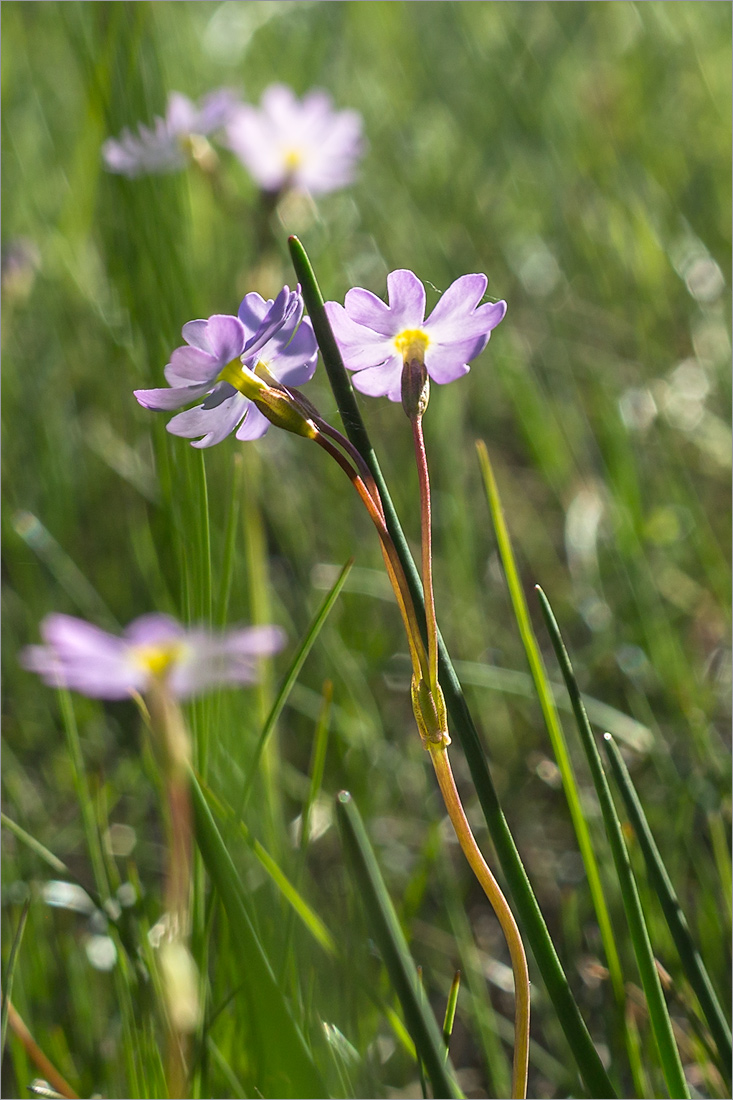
x=164, y=147
x=376, y=340
x=226, y=354
x=153, y=648
x=303, y=144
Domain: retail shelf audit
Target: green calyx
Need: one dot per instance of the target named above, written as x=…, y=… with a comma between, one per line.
x=278, y=404
x=430, y=713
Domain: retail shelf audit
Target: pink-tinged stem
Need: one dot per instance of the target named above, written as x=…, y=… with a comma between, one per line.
x=421, y=459
x=490, y=886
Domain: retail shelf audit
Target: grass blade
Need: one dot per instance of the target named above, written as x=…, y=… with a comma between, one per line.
x=530, y=915
x=690, y=958
x=10, y=972
x=554, y=729
x=292, y=675
x=658, y=1014
x=288, y=1060
x=393, y=946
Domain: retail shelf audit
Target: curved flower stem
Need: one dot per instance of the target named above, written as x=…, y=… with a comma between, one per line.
x=490, y=886
x=366, y=474
x=421, y=460
x=36, y=1055
x=391, y=559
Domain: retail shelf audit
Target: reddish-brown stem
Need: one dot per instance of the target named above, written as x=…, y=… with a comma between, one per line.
x=36, y=1055
x=392, y=561
x=421, y=459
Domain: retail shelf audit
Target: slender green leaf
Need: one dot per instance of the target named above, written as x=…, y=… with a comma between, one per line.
x=690, y=958
x=530, y=916
x=291, y=676
x=554, y=729
x=289, y=1064
x=10, y=971
x=393, y=946
x=658, y=1014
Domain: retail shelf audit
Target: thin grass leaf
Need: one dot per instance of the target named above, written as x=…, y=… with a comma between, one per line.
x=10, y=971
x=530, y=915
x=393, y=946
x=658, y=1013
x=554, y=729
x=291, y=676
x=279, y=1039
x=690, y=958
x=450, y=1010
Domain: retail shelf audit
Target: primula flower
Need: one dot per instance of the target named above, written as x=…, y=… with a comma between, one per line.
x=303, y=144
x=152, y=649
x=266, y=341
x=164, y=147
x=377, y=340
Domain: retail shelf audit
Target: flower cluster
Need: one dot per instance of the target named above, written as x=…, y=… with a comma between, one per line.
x=285, y=143
x=153, y=648
x=229, y=361
x=165, y=146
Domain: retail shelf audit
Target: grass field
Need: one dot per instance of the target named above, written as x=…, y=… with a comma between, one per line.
x=578, y=154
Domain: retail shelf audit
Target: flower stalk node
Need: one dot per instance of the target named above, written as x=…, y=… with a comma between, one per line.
x=415, y=388
x=430, y=714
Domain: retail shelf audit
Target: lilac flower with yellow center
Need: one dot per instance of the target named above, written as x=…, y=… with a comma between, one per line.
x=229, y=361
x=377, y=339
x=303, y=144
x=154, y=649
x=167, y=145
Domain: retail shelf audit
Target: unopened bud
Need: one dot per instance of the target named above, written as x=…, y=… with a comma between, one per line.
x=415, y=388
x=430, y=713
x=283, y=411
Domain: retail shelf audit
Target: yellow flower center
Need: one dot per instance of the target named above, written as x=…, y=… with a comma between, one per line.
x=411, y=344
x=293, y=159
x=157, y=659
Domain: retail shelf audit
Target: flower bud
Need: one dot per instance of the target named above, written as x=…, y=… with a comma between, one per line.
x=415, y=388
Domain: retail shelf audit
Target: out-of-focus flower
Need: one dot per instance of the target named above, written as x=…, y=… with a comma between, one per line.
x=168, y=144
x=291, y=143
x=377, y=340
x=267, y=341
x=152, y=649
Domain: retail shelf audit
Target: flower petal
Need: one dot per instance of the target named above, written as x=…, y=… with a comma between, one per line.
x=406, y=298
x=360, y=347
x=189, y=366
x=254, y=426
x=446, y=362
x=83, y=658
x=229, y=658
x=226, y=337
x=194, y=333
x=152, y=629
x=213, y=425
x=381, y=381
x=168, y=399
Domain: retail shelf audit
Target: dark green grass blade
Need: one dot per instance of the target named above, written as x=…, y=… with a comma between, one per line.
x=530, y=915
x=658, y=1014
x=279, y=1039
x=690, y=957
x=10, y=972
x=397, y=958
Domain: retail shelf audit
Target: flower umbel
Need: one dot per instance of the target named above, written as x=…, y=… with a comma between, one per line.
x=377, y=339
x=236, y=364
x=303, y=144
x=154, y=649
x=166, y=145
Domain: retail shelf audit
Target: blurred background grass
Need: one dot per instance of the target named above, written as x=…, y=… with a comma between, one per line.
x=579, y=154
